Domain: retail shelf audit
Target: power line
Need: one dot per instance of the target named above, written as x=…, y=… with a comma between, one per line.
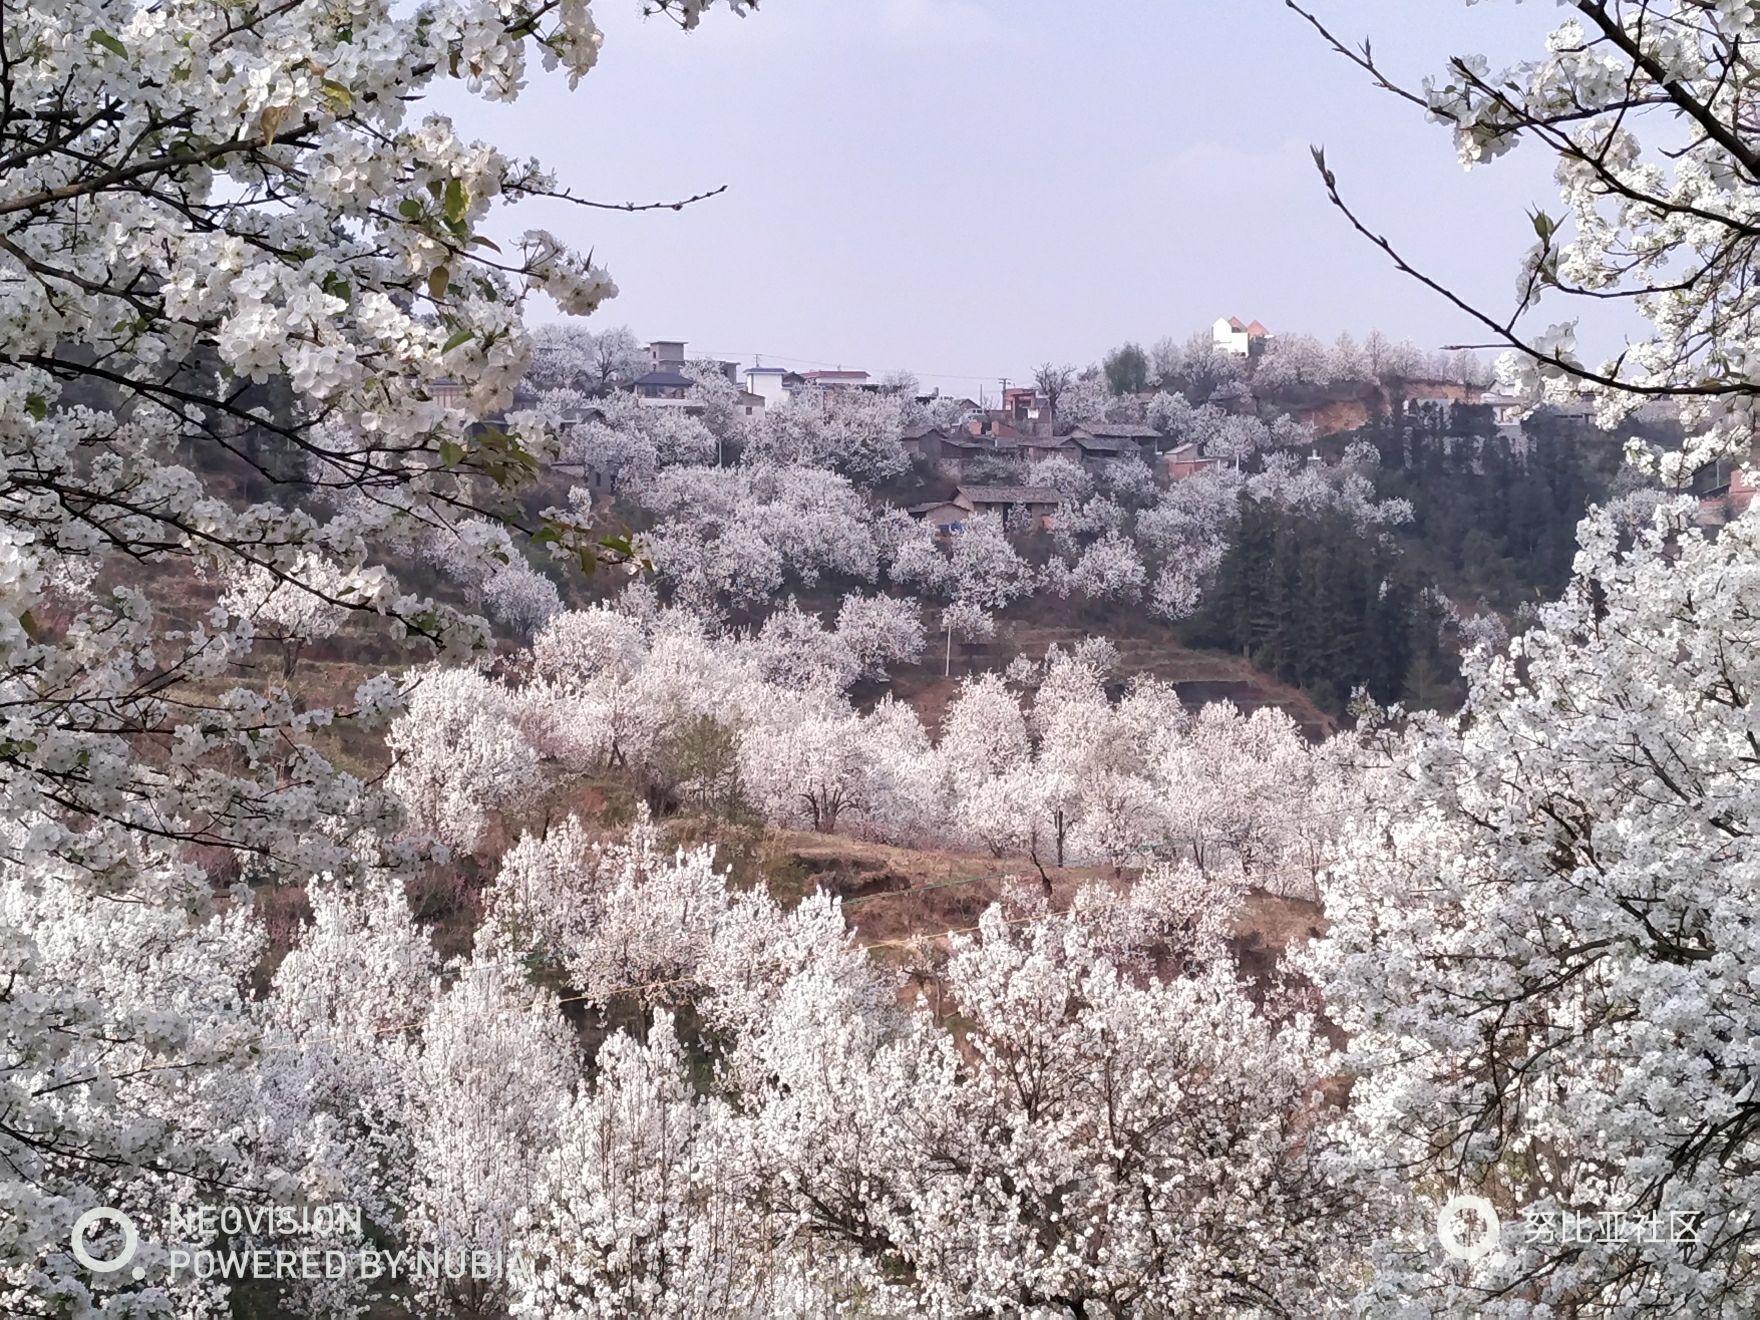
x=837, y=366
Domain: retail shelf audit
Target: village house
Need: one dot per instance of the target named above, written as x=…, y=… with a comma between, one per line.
x=1095, y=452
x=945, y=516
x=957, y=452
x=836, y=380
x=1724, y=489
x=1032, y=448
x=774, y=384
x=1237, y=338
x=750, y=405
x=1140, y=439
x=1038, y=503
x=1184, y=461
x=991, y=427
x=450, y=392
x=1506, y=409
x=1024, y=408
x=922, y=441
x=662, y=387
x=666, y=355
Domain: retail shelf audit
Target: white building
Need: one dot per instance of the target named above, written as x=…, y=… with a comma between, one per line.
x=767, y=382
x=1238, y=339
x=837, y=380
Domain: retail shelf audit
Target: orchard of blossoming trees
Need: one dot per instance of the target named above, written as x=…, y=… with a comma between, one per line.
x=236, y=261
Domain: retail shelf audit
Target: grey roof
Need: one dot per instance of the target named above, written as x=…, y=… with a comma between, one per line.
x=1011, y=494
x=663, y=378
x=1104, y=444
x=920, y=430
x=767, y=371
x=1119, y=431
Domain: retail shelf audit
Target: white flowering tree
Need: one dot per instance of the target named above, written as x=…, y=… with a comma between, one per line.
x=239, y=266
x=844, y=1153
x=732, y=537
x=880, y=631
x=1109, y=570
x=849, y=432
x=1542, y=945
x=460, y=756
x=570, y=356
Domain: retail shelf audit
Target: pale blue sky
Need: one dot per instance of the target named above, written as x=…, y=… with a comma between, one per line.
x=966, y=188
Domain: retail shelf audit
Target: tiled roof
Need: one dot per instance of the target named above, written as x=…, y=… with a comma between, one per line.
x=1119, y=430
x=1011, y=494
x=1103, y=444
x=663, y=378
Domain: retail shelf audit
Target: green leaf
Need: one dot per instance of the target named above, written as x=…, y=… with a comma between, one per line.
x=479, y=241
x=437, y=282
x=456, y=200
x=458, y=337
x=37, y=406
x=340, y=98
x=451, y=453
x=108, y=42
x=410, y=209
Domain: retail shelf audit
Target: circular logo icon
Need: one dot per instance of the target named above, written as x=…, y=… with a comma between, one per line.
x=1468, y=1227
x=90, y=1220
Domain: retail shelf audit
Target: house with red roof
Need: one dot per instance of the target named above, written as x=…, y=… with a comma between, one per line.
x=1239, y=338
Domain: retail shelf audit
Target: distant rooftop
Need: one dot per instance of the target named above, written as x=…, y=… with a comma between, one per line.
x=1011, y=494
x=663, y=378
x=1119, y=430
x=1104, y=444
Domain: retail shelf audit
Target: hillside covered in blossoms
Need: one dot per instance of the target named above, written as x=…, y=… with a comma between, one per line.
x=504, y=817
